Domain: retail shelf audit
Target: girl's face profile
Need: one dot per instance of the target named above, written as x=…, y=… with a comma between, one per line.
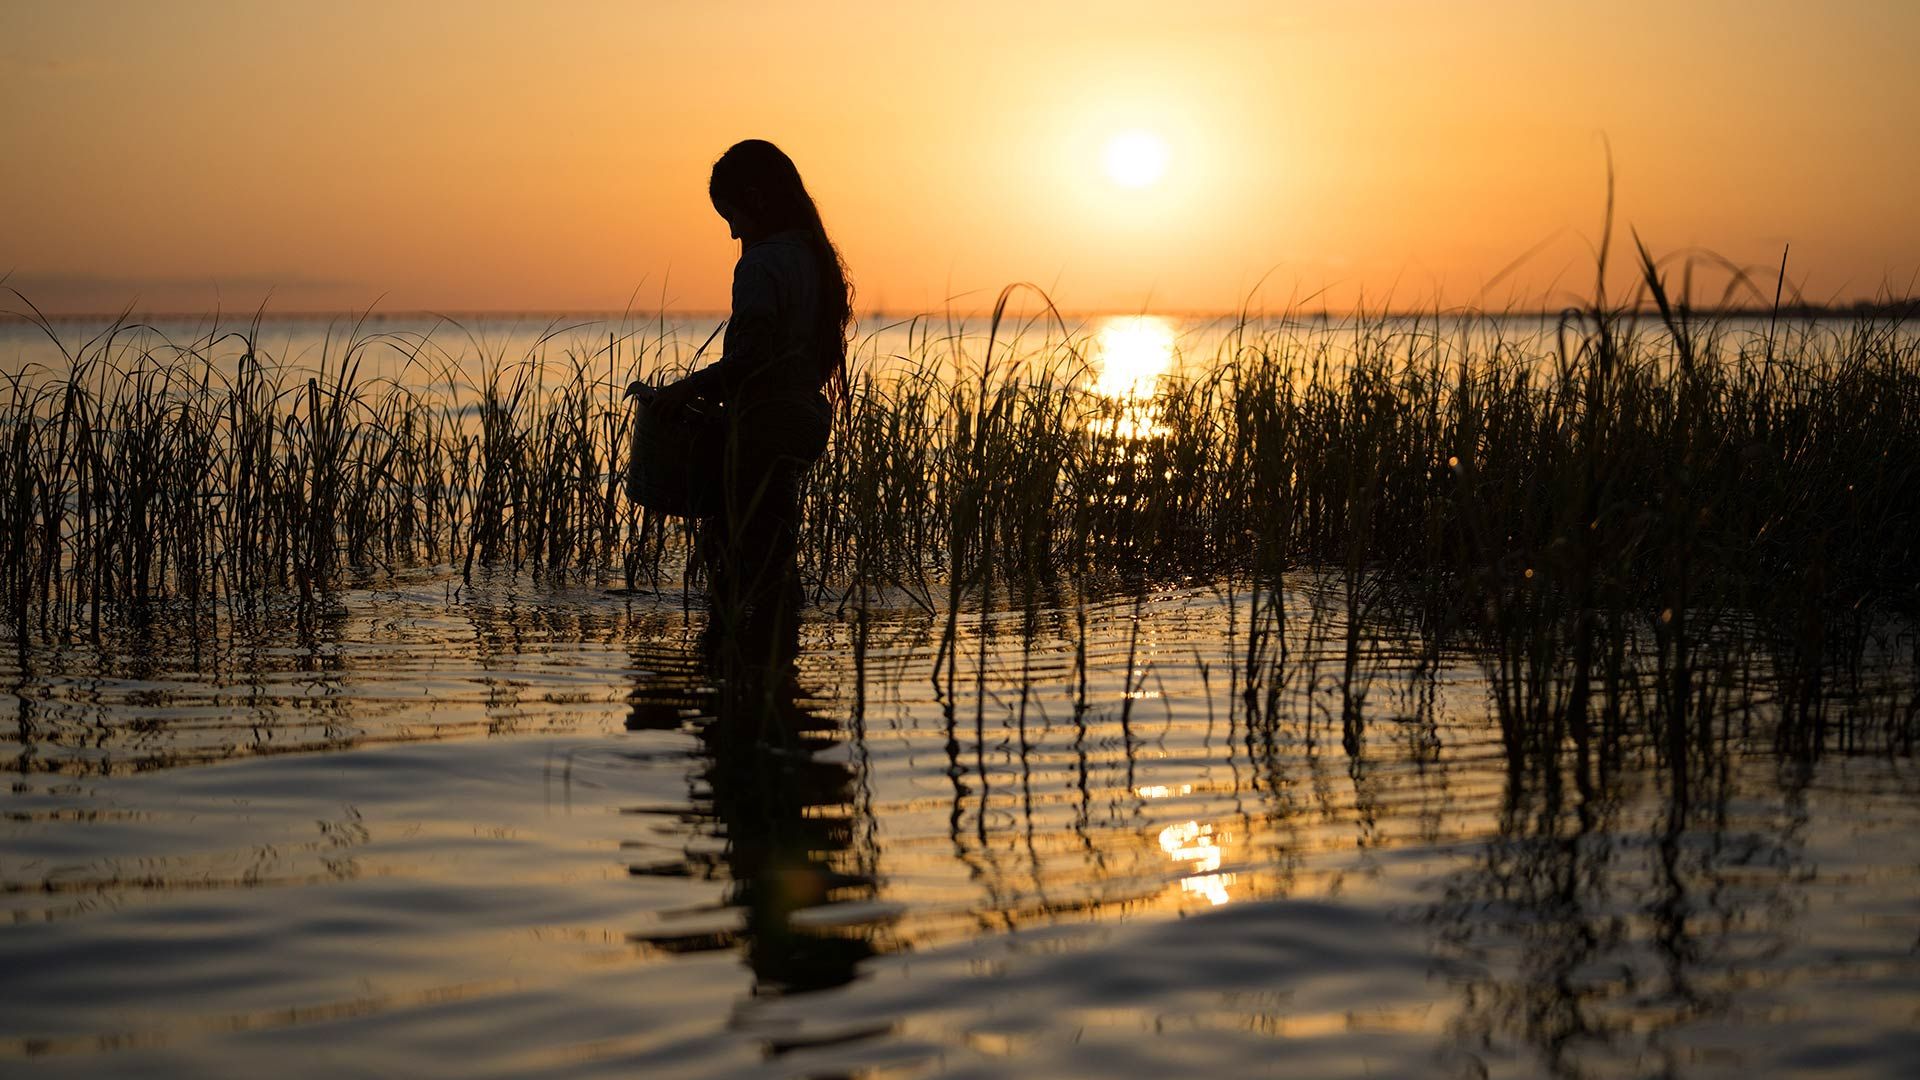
x=740, y=223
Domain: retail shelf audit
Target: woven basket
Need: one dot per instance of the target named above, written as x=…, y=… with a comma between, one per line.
x=673, y=463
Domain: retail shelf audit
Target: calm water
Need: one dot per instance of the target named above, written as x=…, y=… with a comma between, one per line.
x=447, y=831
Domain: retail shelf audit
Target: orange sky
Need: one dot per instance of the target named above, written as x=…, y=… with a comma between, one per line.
x=468, y=156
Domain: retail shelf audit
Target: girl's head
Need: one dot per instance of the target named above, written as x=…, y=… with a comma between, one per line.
x=757, y=190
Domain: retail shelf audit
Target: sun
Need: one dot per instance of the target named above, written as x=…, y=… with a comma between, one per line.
x=1135, y=159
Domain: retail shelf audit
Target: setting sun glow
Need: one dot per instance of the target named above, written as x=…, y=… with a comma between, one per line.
x=1135, y=159
x=1414, y=151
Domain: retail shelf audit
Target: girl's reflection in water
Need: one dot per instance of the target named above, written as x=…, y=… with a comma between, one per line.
x=786, y=811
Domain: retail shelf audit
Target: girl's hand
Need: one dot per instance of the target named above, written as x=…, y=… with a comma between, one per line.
x=671, y=397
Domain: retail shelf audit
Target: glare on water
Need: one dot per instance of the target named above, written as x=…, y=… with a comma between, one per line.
x=1133, y=352
x=1194, y=843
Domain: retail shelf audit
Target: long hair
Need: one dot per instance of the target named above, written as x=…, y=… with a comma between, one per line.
x=756, y=175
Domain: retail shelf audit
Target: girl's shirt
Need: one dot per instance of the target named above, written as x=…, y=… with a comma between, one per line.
x=769, y=370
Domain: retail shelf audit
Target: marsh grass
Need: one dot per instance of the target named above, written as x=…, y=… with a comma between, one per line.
x=1620, y=519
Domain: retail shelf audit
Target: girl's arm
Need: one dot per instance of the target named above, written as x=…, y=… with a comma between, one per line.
x=749, y=342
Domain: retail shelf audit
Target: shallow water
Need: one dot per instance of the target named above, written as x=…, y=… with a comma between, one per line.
x=478, y=831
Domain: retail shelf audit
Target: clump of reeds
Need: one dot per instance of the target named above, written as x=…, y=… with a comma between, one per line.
x=207, y=474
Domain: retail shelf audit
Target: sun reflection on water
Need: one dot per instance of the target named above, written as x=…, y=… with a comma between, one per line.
x=1194, y=843
x=1133, y=351
x=1131, y=354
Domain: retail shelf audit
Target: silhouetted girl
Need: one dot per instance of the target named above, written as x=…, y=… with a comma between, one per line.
x=782, y=368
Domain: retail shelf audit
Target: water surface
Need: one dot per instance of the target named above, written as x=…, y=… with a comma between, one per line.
x=491, y=830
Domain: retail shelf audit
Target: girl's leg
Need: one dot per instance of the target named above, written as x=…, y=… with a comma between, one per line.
x=767, y=546
x=710, y=547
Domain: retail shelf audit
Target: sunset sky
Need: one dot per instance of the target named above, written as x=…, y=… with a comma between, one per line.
x=470, y=156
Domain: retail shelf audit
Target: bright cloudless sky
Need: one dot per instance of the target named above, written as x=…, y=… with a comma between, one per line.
x=494, y=156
